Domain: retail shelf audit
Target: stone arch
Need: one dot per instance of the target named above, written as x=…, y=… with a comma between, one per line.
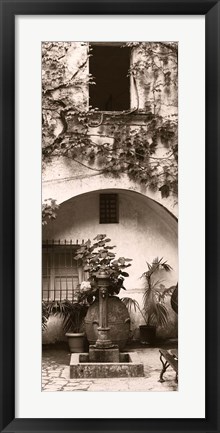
x=68, y=188
x=146, y=229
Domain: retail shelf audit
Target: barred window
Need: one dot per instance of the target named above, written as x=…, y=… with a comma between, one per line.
x=61, y=273
x=108, y=209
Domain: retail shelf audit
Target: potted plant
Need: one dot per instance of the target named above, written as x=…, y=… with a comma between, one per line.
x=45, y=315
x=98, y=257
x=154, y=311
x=73, y=314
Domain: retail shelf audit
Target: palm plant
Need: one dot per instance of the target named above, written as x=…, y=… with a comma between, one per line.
x=154, y=310
x=72, y=313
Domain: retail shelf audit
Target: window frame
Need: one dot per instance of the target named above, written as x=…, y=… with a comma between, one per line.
x=53, y=248
x=102, y=195
x=131, y=84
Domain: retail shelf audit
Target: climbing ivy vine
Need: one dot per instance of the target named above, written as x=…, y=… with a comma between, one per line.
x=147, y=152
x=49, y=210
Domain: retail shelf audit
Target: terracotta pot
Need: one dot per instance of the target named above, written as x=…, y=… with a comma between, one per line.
x=76, y=341
x=118, y=322
x=147, y=334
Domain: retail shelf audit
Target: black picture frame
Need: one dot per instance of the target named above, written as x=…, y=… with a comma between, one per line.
x=9, y=9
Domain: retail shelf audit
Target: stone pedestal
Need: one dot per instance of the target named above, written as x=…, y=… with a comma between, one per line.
x=103, y=341
x=103, y=355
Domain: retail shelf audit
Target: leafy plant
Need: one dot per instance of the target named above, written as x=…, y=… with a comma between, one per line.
x=72, y=313
x=97, y=257
x=49, y=210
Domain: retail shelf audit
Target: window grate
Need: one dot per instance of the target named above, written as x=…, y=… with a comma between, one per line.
x=61, y=273
x=108, y=209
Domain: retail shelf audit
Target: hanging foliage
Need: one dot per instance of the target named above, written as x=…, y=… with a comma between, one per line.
x=49, y=210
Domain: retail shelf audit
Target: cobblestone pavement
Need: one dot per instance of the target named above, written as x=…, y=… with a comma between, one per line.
x=55, y=374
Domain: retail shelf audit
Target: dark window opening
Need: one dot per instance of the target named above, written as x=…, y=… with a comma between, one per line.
x=109, y=66
x=108, y=208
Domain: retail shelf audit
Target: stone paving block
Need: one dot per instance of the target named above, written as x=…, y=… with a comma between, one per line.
x=66, y=372
x=75, y=390
x=60, y=383
x=81, y=382
x=75, y=385
x=54, y=374
x=78, y=387
x=52, y=389
x=44, y=382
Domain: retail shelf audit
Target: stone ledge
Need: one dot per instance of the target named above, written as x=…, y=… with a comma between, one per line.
x=133, y=368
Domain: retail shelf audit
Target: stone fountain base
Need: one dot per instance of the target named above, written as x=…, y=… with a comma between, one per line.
x=82, y=367
x=104, y=355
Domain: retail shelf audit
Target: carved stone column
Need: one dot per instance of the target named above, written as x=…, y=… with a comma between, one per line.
x=103, y=341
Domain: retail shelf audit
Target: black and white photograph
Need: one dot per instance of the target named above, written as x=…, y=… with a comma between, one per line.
x=109, y=216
